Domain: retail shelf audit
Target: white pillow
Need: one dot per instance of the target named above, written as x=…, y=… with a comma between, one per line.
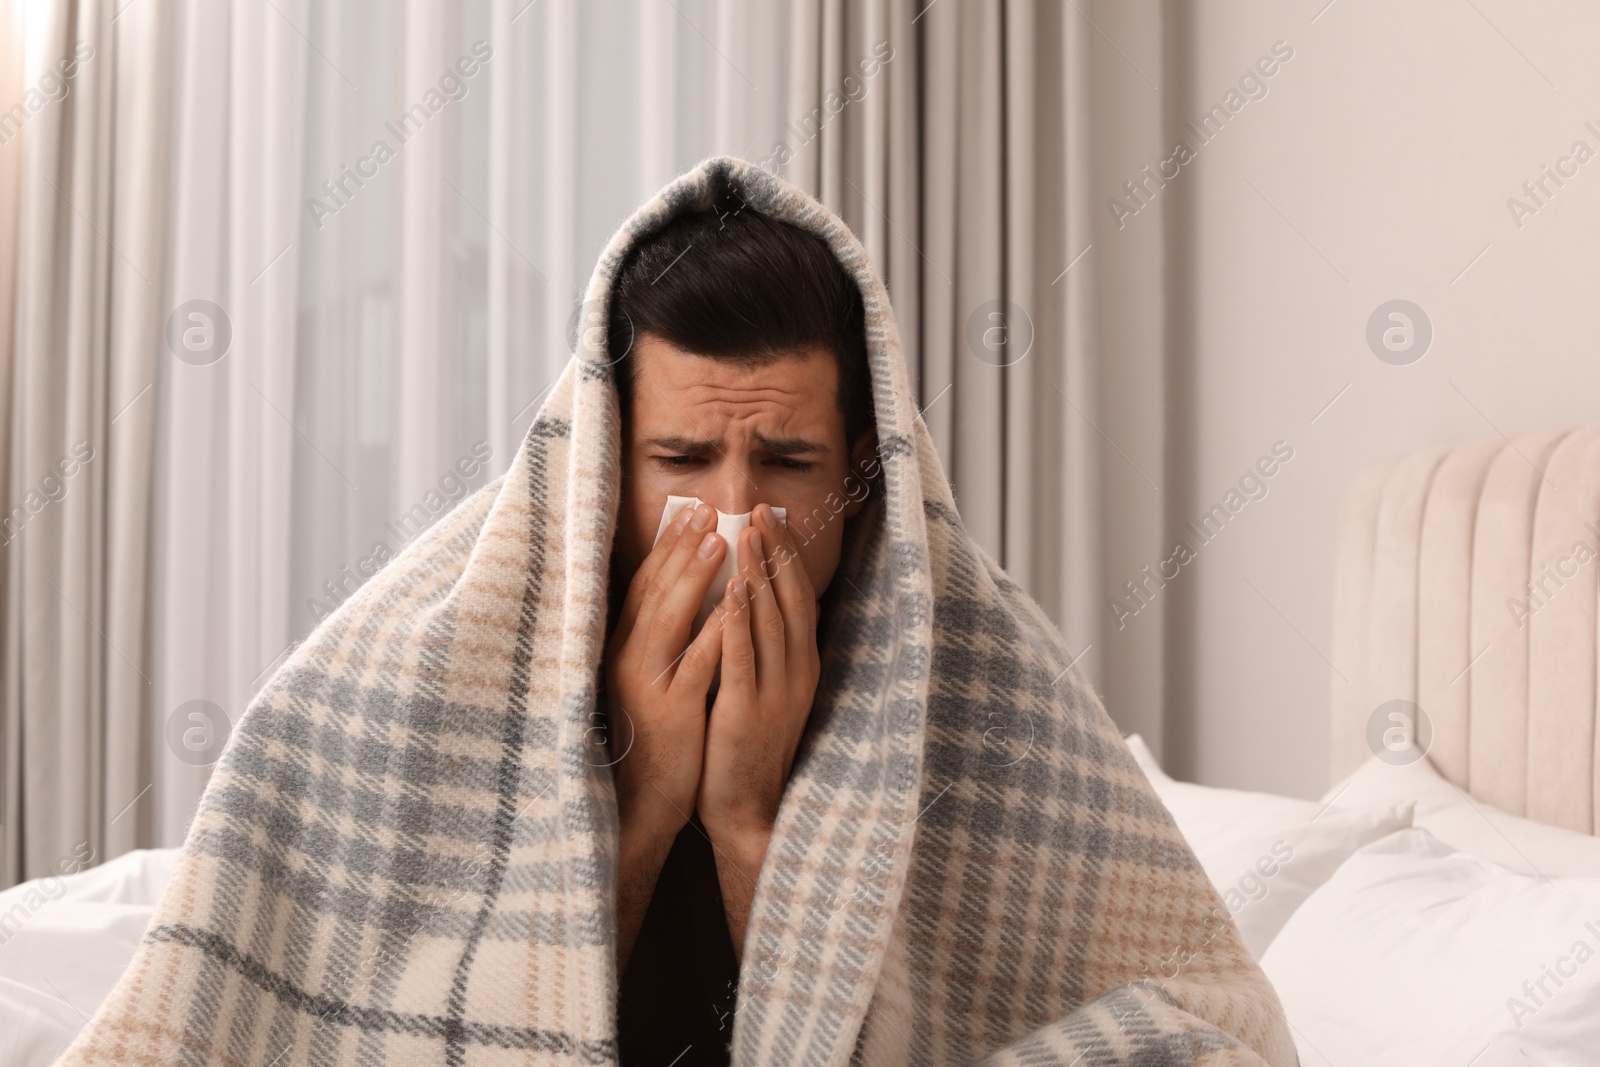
x=64, y=942
x=1265, y=853
x=137, y=877
x=1471, y=825
x=36, y=1026
x=69, y=954
x=1414, y=953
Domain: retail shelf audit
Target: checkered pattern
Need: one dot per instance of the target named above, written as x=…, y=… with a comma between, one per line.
x=407, y=854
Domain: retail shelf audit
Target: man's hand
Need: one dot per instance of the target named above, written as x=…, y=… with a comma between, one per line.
x=770, y=668
x=656, y=687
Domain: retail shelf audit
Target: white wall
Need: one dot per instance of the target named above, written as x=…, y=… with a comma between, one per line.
x=1378, y=166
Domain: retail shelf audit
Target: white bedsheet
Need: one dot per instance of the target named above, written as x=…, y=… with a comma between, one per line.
x=64, y=941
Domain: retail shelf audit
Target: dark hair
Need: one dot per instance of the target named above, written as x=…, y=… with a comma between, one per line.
x=731, y=283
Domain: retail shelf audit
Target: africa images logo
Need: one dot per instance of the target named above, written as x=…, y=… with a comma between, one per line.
x=1140, y=190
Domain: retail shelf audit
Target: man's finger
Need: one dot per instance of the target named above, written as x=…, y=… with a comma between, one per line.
x=646, y=573
x=766, y=618
x=669, y=617
x=699, y=663
x=791, y=585
x=674, y=559
x=738, y=654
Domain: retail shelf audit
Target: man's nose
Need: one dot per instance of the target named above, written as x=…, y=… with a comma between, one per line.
x=732, y=489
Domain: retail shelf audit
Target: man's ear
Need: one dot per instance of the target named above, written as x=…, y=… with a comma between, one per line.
x=864, y=472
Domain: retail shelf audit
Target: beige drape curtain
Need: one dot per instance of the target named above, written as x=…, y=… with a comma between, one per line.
x=976, y=165
x=180, y=514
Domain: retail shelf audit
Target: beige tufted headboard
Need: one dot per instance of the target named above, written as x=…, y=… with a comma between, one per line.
x=1466, y=583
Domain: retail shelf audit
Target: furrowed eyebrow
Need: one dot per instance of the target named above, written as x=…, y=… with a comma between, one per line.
x=791, y=446
x=783, y=446
x=685, y=446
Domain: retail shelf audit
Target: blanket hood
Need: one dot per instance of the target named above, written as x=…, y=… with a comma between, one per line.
x=859, y=769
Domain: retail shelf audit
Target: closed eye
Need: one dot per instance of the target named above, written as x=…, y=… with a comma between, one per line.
x=678, y=461
x=792, y=464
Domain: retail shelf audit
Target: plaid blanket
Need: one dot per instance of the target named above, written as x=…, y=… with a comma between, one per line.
x=408, y=852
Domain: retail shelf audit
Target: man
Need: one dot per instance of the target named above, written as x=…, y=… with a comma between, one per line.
x=748, y=396
x=920, y=835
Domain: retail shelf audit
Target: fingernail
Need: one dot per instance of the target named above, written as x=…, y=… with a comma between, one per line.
x=708, y=546
x=703, y=517
x=681, y=519
x=741, y=589
x=755, y=542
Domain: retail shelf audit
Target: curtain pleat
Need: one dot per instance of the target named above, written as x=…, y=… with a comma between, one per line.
x=805, y=84
x=977, y=468
x=139, y=222
x=560, y=178
x=427, y=206
x=899, y=88
x=1020, y=299
x=55, y=610
x=1076, y=596
x=658, y=95
x=940, y=52
x=13, y=73
x=187, y=409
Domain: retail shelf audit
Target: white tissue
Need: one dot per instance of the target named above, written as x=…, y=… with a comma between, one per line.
x=729, y=527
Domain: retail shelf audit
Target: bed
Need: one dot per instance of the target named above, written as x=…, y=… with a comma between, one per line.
x=1440, y=904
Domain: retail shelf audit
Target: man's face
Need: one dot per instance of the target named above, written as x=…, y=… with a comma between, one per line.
x=737, y=436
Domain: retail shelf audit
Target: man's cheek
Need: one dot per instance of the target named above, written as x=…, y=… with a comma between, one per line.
x=642, y=527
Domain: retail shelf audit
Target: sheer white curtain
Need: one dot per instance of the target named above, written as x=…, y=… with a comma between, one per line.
x=147, y=188
x=297, y=273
